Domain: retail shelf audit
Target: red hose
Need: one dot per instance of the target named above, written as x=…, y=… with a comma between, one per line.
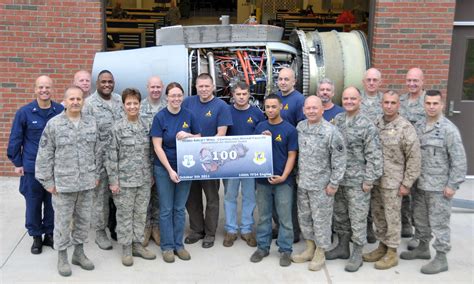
x=244, y=67
x=250, y=71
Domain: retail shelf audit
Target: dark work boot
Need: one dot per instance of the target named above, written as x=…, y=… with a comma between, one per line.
x=48, y=240
x=437, y=265
x=413, y=243
x=341, y=250
x=37, y=246
x=422, y=251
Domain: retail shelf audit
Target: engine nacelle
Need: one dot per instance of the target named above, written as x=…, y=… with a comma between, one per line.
x=251, y=53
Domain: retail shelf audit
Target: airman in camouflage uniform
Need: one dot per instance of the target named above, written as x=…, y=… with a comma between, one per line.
x=150, y=106
x=371, y=95
x=371, y=106
x=401, y=164
x=443, y=169
x=364, y=167
x=130, y=177
x=412, y=103
x=106, y=107
x=67, y=166
x=318, y=140
x=411, y=108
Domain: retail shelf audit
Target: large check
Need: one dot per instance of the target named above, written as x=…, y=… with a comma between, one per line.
x=216, y=157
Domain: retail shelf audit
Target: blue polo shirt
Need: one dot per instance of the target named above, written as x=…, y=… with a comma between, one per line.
x=166, y=125
x=329, y=114
x=210, y=115
x=28, y=125
x=292, y=107
x=284, y=139
x=244, y=121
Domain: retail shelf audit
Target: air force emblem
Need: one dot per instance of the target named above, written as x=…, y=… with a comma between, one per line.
x=259, y=158
x=188, y=161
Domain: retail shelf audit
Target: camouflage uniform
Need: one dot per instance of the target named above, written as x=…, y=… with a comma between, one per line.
x=401, y=166
x=147, y=113
x=323, y=143
x=443, y=164
x=129, y=166
x=105, y=116
x=364, y=164
x=413, y=112
x=371, y=107
x=68, y=159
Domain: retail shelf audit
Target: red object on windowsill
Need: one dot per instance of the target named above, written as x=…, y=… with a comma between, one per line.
x=346, y=17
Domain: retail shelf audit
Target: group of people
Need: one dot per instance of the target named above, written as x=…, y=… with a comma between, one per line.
x=333, y=168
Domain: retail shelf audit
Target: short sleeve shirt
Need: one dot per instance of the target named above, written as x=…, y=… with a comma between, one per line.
x=284, y=139
x=210, y=115
x=166, y=125
x=244, y=121
x=292, y=107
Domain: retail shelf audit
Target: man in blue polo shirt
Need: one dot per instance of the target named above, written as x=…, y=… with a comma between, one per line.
x=291, y=99
x=214, y=117
x=326, y=92
x=25, y=135
x=277, y=189
x=292, y=111
x=245, y=118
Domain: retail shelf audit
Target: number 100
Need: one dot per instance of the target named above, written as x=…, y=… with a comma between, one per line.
x=224, y=155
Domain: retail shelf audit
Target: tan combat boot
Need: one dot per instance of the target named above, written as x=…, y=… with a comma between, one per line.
x=139, y=250
x=64, y=268
x=306, y=255
x=389, y=260
x=127, y=258
x=376, y=254
x=318, y=260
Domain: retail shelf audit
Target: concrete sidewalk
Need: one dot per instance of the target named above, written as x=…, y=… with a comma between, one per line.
x=217, y=264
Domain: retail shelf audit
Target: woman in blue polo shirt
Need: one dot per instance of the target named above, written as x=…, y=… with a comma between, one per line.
x=171, y=123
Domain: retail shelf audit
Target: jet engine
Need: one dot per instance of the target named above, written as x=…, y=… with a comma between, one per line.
x=251, y=53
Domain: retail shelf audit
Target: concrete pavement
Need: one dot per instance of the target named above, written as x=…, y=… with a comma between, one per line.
x=215, y=265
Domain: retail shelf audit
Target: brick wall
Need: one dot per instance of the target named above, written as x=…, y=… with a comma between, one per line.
x=413, y=34
x=48, y=37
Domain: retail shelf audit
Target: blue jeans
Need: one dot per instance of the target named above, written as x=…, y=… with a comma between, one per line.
x=282, y=196
x=172, y=198
x=231, y=189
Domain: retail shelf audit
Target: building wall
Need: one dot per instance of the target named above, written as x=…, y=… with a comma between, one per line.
x=413, y=34
x=49, y=37
x=57, y=38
